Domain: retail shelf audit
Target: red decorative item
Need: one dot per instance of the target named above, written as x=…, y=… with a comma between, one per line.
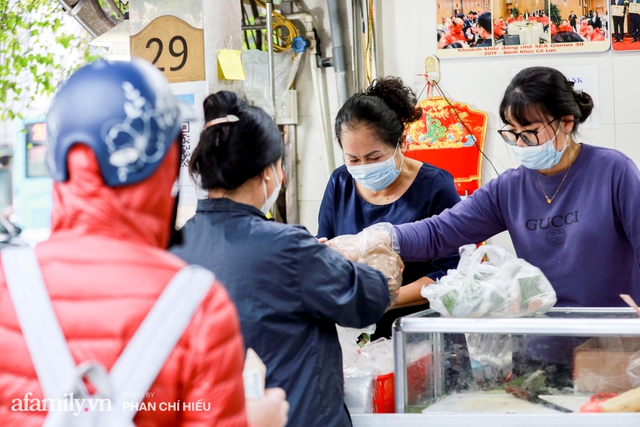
x=450, y=141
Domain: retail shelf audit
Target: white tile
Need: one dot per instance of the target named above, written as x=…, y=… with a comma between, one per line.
x=626, y=90
x=604, y=136
x=627, y=140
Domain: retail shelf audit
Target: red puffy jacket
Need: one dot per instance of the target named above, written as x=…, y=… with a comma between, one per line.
x=104, y=267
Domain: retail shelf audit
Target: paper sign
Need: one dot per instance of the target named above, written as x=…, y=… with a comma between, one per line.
x=230, y=64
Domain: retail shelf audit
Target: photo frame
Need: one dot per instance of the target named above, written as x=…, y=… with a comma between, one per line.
x=621, y=25
x=523, y=27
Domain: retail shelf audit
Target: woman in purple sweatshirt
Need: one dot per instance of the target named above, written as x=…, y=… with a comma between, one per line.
x=572, y=209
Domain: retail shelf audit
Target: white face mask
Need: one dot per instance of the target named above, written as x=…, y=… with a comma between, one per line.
x=270, y=200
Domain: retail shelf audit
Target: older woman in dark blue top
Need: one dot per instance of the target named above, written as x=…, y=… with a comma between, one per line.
x=289, y=289
x=378, y=184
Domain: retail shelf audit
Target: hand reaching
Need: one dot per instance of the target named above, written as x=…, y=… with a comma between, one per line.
x=353, y=246
x=270, y=411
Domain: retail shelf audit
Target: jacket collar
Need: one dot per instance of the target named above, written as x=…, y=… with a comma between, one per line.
x=227, y=205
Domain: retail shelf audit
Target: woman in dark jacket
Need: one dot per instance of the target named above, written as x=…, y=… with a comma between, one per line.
x=289, y=289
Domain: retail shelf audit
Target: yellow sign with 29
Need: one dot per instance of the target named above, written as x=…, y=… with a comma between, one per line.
x=174, y=46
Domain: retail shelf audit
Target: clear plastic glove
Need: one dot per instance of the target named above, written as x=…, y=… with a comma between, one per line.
x=353, y=246
x=270, y=411
x=386, y=261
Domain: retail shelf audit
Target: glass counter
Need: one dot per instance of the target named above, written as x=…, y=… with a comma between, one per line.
x=550, y=364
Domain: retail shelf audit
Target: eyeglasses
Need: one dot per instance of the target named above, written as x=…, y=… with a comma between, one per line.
x=529, y=137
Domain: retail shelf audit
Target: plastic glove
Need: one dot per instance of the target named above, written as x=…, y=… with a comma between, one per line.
x=270, y=411
x=353, y=246
x=385, y=260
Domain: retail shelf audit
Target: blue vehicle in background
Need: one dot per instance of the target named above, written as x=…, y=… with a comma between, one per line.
x=31, y=182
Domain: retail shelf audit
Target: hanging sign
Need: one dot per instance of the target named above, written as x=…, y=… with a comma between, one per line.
x=450, y=136
x=516, y=27
x=174, y=46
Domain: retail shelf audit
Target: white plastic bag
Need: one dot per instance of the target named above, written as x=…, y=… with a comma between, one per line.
x=359, y=389
x=257, y=85
x=502, y=286
x=362, y=366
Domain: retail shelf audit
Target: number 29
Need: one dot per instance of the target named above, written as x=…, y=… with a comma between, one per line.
x=172, y=50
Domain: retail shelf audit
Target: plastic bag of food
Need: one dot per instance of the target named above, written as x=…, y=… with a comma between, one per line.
x=386, y=261
x=353, y=246
x=367, y=248
x=500, y=286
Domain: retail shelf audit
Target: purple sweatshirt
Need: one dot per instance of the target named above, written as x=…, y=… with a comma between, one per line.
x=586, y=241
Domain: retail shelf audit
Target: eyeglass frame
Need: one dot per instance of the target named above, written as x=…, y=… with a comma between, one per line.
x=518, y=135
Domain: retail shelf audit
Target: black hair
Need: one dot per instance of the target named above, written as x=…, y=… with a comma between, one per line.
x=385, y=106
x=228, y=154
x=454, y=45
x=536, y=92
x=484, y=21
x=566, y=37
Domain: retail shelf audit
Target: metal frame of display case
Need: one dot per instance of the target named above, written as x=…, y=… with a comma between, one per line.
x=577, y=324
x=496, y=420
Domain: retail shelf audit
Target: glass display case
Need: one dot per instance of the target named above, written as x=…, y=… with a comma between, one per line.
x=550, y=364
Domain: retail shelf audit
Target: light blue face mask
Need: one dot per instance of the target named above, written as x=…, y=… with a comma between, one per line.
x=377, y=176
x=543, y=156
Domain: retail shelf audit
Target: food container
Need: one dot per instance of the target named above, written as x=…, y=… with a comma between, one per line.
x=449, y=364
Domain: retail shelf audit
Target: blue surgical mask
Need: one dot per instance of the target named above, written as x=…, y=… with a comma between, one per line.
x=377, y=176
x=543, y=156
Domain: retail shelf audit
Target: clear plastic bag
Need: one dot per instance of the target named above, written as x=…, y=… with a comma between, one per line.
x=362, y=367
x=353, y=246
x=371, y=247
x=633, y=369
x=256, y=83
x=491, y=358
x=502, y=286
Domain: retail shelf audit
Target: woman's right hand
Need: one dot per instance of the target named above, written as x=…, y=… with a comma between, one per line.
x=270, y=411
x=354, y=246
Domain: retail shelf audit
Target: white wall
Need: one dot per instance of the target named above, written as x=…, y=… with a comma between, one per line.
x=312, y=175
x=408, y=35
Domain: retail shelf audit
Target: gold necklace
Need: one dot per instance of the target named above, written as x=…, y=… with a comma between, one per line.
x=549, y=200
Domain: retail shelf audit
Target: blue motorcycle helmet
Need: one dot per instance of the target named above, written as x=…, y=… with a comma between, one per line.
x=123, y=110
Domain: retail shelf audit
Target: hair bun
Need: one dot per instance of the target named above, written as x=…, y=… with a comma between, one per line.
x=585, y=104
x=397, y=96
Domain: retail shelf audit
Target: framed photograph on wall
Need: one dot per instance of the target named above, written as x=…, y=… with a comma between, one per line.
x=623, y=19
x=522, y=27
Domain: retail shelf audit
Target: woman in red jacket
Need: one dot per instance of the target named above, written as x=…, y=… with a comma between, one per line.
x=114, y=156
